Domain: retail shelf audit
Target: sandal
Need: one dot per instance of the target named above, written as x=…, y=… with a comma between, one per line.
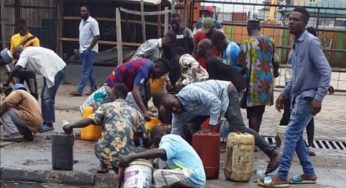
x=46, y=128
x=301, y=180
x=267, y=181
x=75, y=94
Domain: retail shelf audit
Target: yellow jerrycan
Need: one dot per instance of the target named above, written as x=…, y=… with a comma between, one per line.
x=91, y=132
x=239, y=157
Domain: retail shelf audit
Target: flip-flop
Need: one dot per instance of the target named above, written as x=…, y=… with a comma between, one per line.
x=299, y=180
x=267, y=181
x=46, y=128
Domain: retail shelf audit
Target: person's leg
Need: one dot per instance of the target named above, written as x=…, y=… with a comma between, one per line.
x=287, y=112
x=48, y=100
x=92, y=56
x=32, y=83
x=310, y=131
x=21, y=125
x=236, y=124
x=9, y=126
x=300, y=116
x=255, y=115
x=170, y=178
x=85, y=72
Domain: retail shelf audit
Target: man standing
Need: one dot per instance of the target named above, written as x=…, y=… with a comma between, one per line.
x=307, y=88
x=216, y=99
x=24, y=39
x=89, y=34
x=20, y=114
x=257, y=57
x=184, y=40
x=47, y=63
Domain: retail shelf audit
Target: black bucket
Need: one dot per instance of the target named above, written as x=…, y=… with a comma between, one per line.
x=62, y=152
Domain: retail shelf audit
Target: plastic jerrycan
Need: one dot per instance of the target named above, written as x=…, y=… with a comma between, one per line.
x=207, y=147
x=90, y=132
x=239, y=157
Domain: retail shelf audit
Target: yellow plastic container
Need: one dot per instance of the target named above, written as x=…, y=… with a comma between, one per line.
x=149, y=125
x=157, y=85
x=239, y=157
x=91, y=132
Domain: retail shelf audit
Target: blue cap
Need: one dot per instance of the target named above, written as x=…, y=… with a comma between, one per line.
x=18, y=86
x=6, y=56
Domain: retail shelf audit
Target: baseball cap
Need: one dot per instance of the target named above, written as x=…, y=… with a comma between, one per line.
x=207, y=25
x=18, y=86
x=209, y=9
x=6, y=56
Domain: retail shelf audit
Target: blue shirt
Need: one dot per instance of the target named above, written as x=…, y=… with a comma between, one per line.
x=311, y=71
x=183, y=157
x=231, y=54
x=202, y=99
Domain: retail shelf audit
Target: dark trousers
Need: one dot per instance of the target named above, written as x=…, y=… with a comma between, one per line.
x=29, y=78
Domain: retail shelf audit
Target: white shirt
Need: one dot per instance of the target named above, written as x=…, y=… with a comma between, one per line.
x=41, y=61
x=88, y=29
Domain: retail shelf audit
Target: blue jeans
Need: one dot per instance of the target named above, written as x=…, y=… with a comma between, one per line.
x=294, y=141
x=87, y=74
x=48, y=97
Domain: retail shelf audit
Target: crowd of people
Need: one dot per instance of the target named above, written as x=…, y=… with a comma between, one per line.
x=201, y=76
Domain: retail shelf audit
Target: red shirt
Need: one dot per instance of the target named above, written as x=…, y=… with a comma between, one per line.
x=202, y=60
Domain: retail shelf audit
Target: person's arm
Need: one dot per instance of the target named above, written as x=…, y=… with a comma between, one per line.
x=96, y=32
x=79, y=124
x=12, y=73
x=209, y=102
x=93, y=42
x=322, y=65
x=136, y=92
x=150, y=154
x=275, y=62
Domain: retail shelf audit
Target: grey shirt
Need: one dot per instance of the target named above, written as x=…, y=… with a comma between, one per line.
x=311, y=71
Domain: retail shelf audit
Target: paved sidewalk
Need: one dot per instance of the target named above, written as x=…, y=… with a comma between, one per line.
x=29, y=164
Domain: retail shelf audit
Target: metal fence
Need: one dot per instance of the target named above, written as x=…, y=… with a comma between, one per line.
x=328, y=20
x=40, y=15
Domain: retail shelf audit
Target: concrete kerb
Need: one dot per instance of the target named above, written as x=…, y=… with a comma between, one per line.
x=75, y=178
x=45, y=176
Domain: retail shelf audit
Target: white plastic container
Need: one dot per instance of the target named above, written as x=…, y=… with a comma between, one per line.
x=239, y=157
x=138, y=174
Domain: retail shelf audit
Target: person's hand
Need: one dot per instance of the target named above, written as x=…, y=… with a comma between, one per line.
x=279, y=103
x=6, y=84
x=67, y=129
x=315, y=107
x=331, y=90
x=147, y=116
x=124, y=160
